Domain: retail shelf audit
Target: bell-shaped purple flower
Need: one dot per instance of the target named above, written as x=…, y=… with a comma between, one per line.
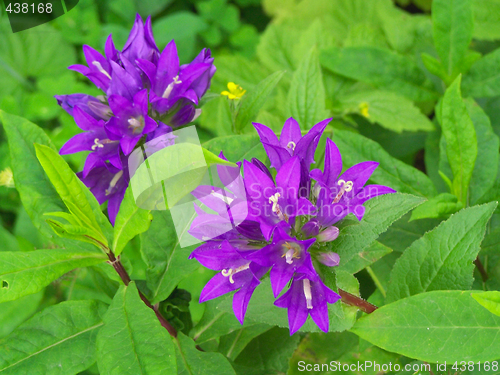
x=86, y=103
x=140, y=43
x=271, y=204
x=307, y=296
x=107, y=183
x=94, y=139
x=237, y=273
x=337, y=196
x=286, y=255
x=329, y=259
x=131, y=120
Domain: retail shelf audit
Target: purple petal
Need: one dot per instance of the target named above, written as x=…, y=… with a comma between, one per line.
x=290, y=133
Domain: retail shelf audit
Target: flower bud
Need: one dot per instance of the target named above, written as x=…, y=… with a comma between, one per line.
x=311, y=228
x=329, y=234
x=329, y=259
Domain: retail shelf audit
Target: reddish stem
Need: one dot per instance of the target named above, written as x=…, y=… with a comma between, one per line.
x=352, y=300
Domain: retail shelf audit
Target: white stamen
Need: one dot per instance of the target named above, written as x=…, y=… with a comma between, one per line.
x=136, y=124
x=307, y=293
x=170, y=87
x=98, y=65
x=289, y=255
x=274, y=200
x=345, y=186
x=113, y=182
x=291, y=145
x=232, y=271
x=226, y=200
x=96, y=144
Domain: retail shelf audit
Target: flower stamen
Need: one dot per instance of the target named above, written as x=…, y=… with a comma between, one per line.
x=276, y=208
x=98, y=65
x=225, y=199
x=136, y=124
x=346, y=186
x=233, y=271
x=113, y=182
x=170, y=87
x=97, y=144
x=307, y=293
x=293, y=252
x=291, y=145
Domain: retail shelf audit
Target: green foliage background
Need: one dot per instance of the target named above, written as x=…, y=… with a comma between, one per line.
x=414, y=85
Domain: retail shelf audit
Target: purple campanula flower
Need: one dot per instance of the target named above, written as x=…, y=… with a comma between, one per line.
x=94, y=139
x=337, y=196
x=89, y=104
x=286, y=255
x=271, y=204
x=237, y=273
x=141, y=43
x=307, y=296
x=107, y=183
x=131, y=120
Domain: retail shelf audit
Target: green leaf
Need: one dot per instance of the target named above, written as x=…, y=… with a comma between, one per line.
x=217, y=117
x=382, y=68
x=442, y=258
x=486, y=166
x=37, y=193
x=452, y=22
x=254, y=99
x=191, y=361
x=13, y=313
x=232, y=344
x=390, y=110
x=132, y=340
x=23, y=273
x=434, y=66
x=425, y=326
x=441, y=205
x=130, y=221
x=486, y=19
x=483, y=78
x=306, y=98
x=461, y=142
x=380, y=213
x=58, y=340
x=276, y=47
x=166, y=260
x=390, y=172
x=238, y=147
x=75, y=195
x=489, y=300
x=269, y=352
x=368, y=256
x=53, y=55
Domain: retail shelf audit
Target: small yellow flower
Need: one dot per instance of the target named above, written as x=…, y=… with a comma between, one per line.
x=235, y=91
x=363, y=109
x=7, y=178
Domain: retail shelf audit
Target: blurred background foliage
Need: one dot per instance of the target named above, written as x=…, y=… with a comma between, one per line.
x=250, y=39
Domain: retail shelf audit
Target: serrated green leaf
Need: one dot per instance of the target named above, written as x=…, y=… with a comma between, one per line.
x=483, y=78
x=368, y=256
x=73, y=192
x=441, y=205
x=130, y=221
x=382, y=68
x=254, y=99
x=390, y=110
x=132, y=340
x=23, y=273
x=306, y=97
x=452, y=22
x=489, y=300
x=461, y=141
x=58, y=340
x=425, y=325
x=166, y=260
x=442, y=258
x=390, y=172
x=191, y=361
x=37, y=193
x=381, y=212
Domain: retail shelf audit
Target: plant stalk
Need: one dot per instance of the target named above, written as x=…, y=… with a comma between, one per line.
x=118, y=266
x=481, y=269
x=352, y=300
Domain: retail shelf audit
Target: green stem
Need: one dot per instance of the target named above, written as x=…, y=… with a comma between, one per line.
x=376, y=281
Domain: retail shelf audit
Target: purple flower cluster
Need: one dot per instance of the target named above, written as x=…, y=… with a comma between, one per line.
x=283, y=223
x=145, y=93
